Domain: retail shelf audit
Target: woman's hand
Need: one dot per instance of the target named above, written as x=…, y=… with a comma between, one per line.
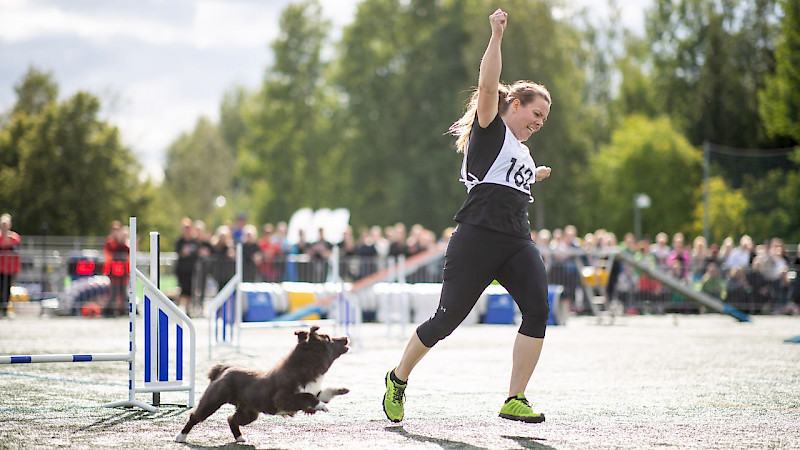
x=542, y=172
x=498, y=21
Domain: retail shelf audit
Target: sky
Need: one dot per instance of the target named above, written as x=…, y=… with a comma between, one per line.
x=159, y=65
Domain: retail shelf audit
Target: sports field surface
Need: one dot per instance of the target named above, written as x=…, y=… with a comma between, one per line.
x=679, y=382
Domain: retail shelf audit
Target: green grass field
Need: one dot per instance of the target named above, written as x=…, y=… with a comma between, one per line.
x=646, y=382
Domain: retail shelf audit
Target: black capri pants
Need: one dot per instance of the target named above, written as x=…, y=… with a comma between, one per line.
x=475, y=257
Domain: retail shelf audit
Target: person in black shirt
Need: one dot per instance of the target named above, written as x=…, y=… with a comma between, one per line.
x=186, y=247
x=493, y=237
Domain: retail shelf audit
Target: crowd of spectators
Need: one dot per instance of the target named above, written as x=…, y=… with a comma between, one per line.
x=269, y=257
x=758, y=278
x=754, y=277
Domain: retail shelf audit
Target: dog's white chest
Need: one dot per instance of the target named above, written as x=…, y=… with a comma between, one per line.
x=314, y=387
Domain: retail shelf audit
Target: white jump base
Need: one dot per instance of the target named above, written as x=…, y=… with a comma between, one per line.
x=164, y=323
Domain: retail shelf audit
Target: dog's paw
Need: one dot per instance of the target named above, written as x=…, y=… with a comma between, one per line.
x=181, y=438
x=321, y=407
x=328, y=394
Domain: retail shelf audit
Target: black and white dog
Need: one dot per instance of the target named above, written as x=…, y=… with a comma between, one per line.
x=293, y=385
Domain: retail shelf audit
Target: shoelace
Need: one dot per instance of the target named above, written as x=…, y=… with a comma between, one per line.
x=397, y=395
x=522, y=400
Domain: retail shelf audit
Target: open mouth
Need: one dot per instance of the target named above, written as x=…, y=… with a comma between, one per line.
x=530, y=128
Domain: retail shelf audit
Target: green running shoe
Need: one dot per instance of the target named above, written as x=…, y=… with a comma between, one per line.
x=393, y=399
x=518, y=408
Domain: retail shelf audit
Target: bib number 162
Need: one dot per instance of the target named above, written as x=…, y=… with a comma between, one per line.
x=522, y=176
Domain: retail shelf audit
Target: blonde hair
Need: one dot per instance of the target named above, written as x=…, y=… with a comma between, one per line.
x=524, y=91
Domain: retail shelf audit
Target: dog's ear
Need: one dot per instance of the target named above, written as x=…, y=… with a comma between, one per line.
x=313, y=334
x=302, y=336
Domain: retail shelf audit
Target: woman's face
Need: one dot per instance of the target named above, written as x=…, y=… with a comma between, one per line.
x=524, y=120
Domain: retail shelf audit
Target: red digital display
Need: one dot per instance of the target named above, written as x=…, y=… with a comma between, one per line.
x=85, y=267
x=119, y=268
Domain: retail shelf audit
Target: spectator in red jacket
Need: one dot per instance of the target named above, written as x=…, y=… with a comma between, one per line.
x=116, y=251
x=9, y=261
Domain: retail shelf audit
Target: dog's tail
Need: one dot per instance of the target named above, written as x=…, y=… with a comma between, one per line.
x=217, y=370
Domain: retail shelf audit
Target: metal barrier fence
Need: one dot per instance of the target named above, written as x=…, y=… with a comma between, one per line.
x=50, y=274
x=750, y=290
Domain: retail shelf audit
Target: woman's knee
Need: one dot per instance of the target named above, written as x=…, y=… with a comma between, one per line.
x=436, y=328
x=534, y=319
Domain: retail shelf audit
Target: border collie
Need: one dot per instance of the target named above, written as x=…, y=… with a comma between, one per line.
x=291, y=386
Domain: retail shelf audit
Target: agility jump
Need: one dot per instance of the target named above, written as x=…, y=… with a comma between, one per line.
x=163, y=323
x=226, y=309
x=702, y=298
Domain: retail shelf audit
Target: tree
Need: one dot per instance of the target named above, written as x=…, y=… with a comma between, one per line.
x=780, y=97
x=232, y=126
x=36, y=91
x=290, y=156
x=788, y=193
x=405, y=83
x=62, y=165
x=710, y=58
x=766, y=215
x=199, y=168
x=407, y=79
x=646, y=156
x=636, y=92
x=727, y=207
x=547, y=50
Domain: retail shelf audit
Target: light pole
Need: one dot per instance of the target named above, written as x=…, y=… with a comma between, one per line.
x=640, y=201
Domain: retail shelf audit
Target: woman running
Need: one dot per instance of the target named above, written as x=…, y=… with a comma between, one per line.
x=493, y=237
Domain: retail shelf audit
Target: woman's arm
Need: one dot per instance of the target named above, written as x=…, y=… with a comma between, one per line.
x=491, y=65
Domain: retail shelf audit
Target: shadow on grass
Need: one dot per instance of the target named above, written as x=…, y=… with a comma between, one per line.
x=129, y=414
x=444, y=443
x=165, y=410
x=529, y=442
x=229, y=446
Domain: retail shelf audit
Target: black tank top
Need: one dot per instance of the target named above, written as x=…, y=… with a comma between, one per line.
x=492, y=205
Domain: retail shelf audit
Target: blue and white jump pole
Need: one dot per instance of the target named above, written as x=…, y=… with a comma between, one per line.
x=160, y=313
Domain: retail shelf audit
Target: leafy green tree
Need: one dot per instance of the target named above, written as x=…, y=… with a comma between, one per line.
x=772, y=207
x=232, y=124
x=407, y=79
x=291, y=155
x=402, y=78
x=727, y=208
x=36, y=91
x=636, y=92
x=788, y=193
x=199, y=168
x=651, y=157
x=547, y=50
x=62, y=165
x=710, y=58
x=766, y=215
x=780, y=97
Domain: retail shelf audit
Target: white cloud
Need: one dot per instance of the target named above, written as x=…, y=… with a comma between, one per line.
x=221, y=23
x=631, y=11
x=211, y=24
x=158, y=65
x=25, y=20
